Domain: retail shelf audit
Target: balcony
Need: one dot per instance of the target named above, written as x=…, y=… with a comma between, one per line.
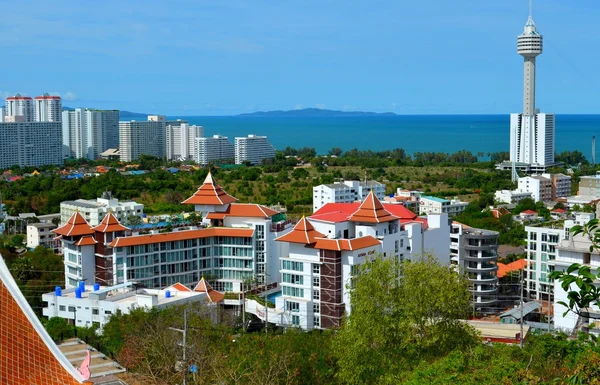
x=483, y=279
x=481, y=247
x=482, y=269
x=483, y=257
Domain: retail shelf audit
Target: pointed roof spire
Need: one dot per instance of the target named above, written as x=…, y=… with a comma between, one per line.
x=110, y=224
x=76, y=225
x=205, y=287
x=371, y=211
x=303, y=233
x=210, y=193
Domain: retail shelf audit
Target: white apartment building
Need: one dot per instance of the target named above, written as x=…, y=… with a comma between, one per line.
x=435, y=205
x=95, y=210
x=93, y=305
x=213, y=149
x=47, y=108
x=181, y=141
x=2, y=114
x=325, y=249
x=475, y=253
x=235, y=242
x=137, y=138
x=88, y=133
x=40, y=234
x=253, y=149
x=511, y=196
x=346, y=191
x=20, y=106
x=539, y=187
x=30, y=144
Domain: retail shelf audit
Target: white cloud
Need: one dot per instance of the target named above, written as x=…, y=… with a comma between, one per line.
x=320, y=105
x=70, y=96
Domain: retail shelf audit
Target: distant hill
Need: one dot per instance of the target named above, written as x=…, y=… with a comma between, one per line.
x=123, y=115
x=316, y=112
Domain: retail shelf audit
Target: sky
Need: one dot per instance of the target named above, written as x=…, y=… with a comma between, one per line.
x=196, y=57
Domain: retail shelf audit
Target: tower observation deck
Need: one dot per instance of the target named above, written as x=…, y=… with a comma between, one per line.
x=529, y=45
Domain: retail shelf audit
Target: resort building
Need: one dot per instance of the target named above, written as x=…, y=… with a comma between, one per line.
x=181, y=141
x=253, y=149
x=435, y=205
x=93, y=305
x=20, y=106
x=346, y=191
x=234, y=243
x=539, y=187
x=30, y=143
x=47, y=108
x=142, y=138
x=326, y=248
x=88, y=133
x=475, y=253
x=214, y=149
x=511, y=196
x=95, y=210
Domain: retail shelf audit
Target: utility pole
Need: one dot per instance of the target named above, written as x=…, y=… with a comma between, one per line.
x=243, y=308
x=549, y=308
x=521, y=334
x=184, y=345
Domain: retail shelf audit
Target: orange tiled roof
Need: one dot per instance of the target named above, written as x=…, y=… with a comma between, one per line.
x=86, y=240
x=346, y=244
x=213, y=295
x=528, y=212
x=303, y=232
x=181, y=236
x=250, y=210
x=371, y=211
x=504, y=269
x=179, y=287
x=210, y=193
x=76, y=225
x=110, y=224
x=27, y=353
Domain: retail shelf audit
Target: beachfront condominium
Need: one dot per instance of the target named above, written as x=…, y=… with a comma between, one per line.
x=20, y=106
x=346, y=191
x=142, y=138
x=47, y=108
x=253, y=149
x=181, y=141
x=214, y=149
x=30, y=143
x=531, y=132
x=87, y=133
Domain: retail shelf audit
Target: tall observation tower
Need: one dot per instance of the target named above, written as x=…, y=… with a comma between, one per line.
x=531, y=132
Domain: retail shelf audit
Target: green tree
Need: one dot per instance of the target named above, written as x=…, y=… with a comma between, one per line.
x=395, y=323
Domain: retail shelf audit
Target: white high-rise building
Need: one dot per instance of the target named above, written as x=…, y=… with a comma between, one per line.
x=181, y=141
x=47, y=108
x=137, y=138
x=87, y=133
x=20, y=106
x=30, y=144
x=213, y=149
x=253, y=149
x=531, y=132
x=346, y=191
x=2, y=114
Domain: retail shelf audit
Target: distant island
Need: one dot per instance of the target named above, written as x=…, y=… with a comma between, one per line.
x=315, y=112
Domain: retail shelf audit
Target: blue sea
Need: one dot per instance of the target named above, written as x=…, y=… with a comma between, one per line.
x=413, y=133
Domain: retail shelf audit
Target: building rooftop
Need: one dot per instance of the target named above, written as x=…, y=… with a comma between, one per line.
x=76, y=225
x=528, y=307
x=372, y=211
x=42, y=225
x=303, y=232
x=436, y=199
x=210, y=193
x=147, y=239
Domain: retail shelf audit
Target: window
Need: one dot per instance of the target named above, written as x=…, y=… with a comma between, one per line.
x=95, y=311
x=292, y=306
x=316, y=269
x=72, y=309
x=62, y=308
x=296, y=320
x=316, y=281
x=293, y=279
x=293, y=291
x=316, y=295
x=316, y=307
x=107, y=312
x=317, y=321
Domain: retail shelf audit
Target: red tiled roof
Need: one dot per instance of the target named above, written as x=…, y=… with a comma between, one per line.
x=27, y=353
x=216, y=215
x=181, y=236
x=249, y=210
x=210, y=193
x=345, y=244
x=110, y=224
x=303, y=232
x=47, y=97
x=179, y=287
x=504, y=269
x=400, y=211
x=19, y=98
x=528, y=212
x=76, y=225
x=340, y=212
x=87, y=240
x=371, y=211
x=213, y=295
x=559, y=211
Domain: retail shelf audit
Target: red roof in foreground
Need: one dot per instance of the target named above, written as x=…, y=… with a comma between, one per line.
x=250, y=210
x=303, y=232
x=504, y=269
x=76, y=225
x=340, y=212
x=371, y=211
x=179, y=287
x=147, y=239
x=210, y=193
x=27, y=353
x=213, y=295
x=110, y=224
x=86, y=240
x=346, y=244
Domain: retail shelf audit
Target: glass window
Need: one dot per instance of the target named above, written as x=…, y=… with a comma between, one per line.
x=316, y=307
x=316, y=295
x=62, y=308
x=316, y=269
x=316, y=281
x=296, y=320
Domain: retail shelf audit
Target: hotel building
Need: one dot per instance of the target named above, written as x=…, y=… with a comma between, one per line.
x=253, y=149
x=30, y=144
x=181, y=141
x=346, y=191
x=47, y=108
x=88, y=133
x=214, y=149
x=20, y=106
x=137, y=138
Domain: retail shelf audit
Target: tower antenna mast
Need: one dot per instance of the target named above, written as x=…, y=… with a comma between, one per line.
x=531, y=9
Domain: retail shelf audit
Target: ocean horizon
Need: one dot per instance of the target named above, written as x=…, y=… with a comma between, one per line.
x=413, y=133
